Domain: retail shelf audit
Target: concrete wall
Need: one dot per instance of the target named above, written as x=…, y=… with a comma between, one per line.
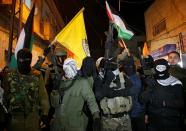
x=53, y=24
x=174, y=13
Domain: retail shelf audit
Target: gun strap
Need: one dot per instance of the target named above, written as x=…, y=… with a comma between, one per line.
x=62, y=90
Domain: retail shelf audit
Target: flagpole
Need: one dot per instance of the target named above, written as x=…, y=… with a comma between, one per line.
x=20, y=15
x=125, y=47
x=53, y=42
x=11, y=32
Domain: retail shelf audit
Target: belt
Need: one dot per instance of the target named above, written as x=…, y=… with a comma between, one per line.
x=115, y=115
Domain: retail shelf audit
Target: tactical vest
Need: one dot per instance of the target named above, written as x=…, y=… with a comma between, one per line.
x=119, y=104
x=116, y=105
x=23, y=92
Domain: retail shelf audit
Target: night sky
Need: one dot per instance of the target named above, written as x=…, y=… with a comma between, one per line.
x=132, y=11
x=96, y=20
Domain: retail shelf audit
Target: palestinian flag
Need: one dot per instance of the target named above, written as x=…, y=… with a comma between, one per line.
x=24, y=40
x=118, y=23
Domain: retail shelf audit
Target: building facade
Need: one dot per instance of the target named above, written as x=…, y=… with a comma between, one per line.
x=47, y=23
x=165, y=22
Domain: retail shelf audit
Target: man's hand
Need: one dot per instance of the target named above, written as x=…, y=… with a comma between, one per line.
x=96, y=122
x=44, y=121
x=46, y=51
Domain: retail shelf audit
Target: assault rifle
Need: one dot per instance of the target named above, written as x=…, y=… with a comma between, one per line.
x=57, y=75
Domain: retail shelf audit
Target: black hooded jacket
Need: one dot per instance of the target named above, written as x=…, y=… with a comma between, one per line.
x=164, y=97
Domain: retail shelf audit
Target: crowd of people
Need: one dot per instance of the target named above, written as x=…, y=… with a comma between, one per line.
x=103, y=95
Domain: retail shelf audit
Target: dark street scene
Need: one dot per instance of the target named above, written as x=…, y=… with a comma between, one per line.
x=92, y=65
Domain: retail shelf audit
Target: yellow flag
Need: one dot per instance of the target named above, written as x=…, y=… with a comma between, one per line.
x=73, y=37
x=145, y=50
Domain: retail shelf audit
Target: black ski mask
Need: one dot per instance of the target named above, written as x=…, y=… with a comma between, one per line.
x=161, y=69
x=147, y=64
x=24, y=58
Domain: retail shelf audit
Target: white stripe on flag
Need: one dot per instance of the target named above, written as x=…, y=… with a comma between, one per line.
x=20, y=42
x=118, y=21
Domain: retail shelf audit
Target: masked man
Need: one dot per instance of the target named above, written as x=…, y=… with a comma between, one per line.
x=112, y=93
x=25, y=95
x=74, y=91
x=53, y=76
x=137, y=112
x=164, y=95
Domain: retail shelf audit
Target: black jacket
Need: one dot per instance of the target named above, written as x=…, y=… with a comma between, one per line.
x=164, y=97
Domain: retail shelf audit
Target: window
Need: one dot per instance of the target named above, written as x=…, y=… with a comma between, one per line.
x=42, y=27
x=157, y=29
x=5, y=1
x=28, y=3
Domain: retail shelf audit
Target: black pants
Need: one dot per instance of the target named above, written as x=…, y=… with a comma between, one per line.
x=159, y=123
x=138, y=123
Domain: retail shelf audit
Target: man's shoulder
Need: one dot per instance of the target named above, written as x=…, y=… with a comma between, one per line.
x=177, y=71
x=83, y=81
x=176, y=67
x=10, y=72
x=80, y=78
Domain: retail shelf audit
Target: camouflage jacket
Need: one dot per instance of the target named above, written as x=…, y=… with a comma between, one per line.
x=25, y=93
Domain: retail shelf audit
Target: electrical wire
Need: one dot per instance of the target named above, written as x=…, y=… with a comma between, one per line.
x=135, y=28
x=135, y=2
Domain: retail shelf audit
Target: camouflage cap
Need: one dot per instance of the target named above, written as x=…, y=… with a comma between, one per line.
x=59, y=51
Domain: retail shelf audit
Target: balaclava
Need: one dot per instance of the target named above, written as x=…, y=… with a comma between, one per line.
x=147, y=63
x=88, y=67
x=24, y=58
x=161, y=69
x=70, y=68
x=129, y=66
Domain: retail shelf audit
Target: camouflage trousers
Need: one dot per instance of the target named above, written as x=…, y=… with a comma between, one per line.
x=20, y=123
x=116, y=124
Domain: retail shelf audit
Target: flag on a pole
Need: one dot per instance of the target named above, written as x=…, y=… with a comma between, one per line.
x=73, y=37
x=145, y=50
x=24, y=40
x=118, y=23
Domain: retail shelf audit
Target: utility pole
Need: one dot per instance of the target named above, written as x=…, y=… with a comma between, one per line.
x=11, y=31
x=180, y=44
x=119, y=5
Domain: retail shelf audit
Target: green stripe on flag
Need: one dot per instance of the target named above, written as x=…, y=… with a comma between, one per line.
x=13, y=62
x=123, y=33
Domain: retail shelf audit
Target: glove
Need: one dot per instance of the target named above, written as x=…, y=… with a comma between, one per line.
x=96, y=122
x=46, y=51
x=109, y=77
x=44, y=121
